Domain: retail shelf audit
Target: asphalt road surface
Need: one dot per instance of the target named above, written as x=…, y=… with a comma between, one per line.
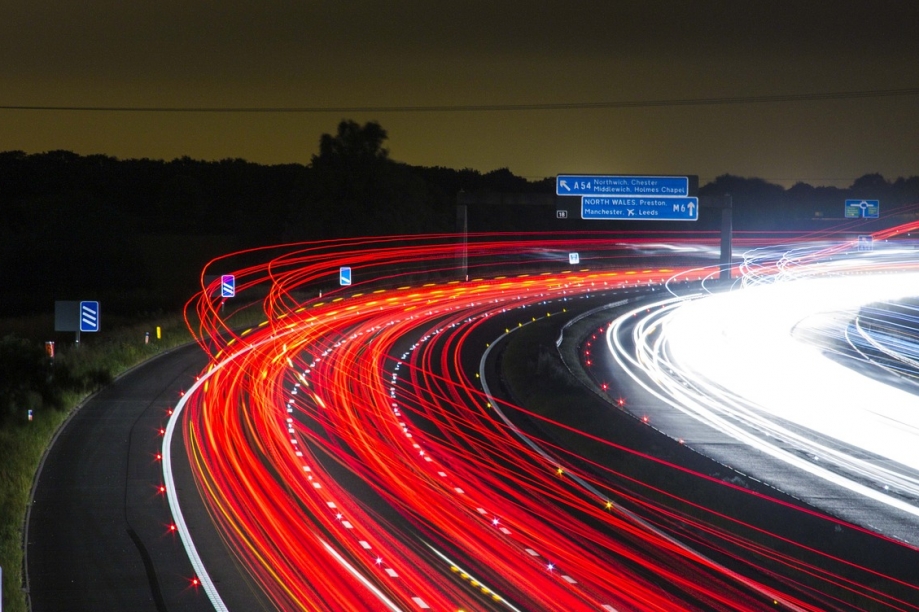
x=98, y=533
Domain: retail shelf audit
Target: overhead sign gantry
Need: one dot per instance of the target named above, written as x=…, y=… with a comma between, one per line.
x=634, y=198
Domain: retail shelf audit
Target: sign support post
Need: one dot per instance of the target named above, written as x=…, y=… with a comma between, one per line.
x=727, y=231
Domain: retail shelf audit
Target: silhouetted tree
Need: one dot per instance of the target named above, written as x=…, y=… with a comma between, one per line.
x=352, y=144
x=353, y=188
x=869, y=184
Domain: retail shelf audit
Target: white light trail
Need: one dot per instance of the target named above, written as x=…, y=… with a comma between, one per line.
x=755, y=363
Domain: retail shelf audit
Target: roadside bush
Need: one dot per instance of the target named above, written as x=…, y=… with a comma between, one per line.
x=27, y=381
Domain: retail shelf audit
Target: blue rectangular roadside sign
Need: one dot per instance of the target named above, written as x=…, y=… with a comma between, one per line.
x=89, y=317
x=595, y=185
x=863, y=209
x=344, y=275
x=640, y=209
x=227, y=286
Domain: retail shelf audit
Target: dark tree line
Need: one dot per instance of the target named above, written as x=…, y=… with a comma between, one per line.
x=135, y=233
x=763, y=206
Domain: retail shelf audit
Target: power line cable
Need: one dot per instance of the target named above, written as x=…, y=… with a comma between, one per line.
x=462, y=108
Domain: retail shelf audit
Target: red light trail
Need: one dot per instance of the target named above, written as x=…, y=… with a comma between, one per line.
x=348, y=454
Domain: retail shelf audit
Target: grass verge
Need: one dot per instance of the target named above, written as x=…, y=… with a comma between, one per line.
x=99, y=359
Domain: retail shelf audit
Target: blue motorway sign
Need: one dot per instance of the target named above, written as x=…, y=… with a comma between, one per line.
x=868, y=209
x=227, y=286
x=590, y=185
x=344, y=275
x=89, y=317
x=640, y=209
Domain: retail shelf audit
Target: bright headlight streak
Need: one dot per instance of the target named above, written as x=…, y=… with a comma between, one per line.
x=178, y=518
x=743, y=342
x=736, y=354
x=883, y=349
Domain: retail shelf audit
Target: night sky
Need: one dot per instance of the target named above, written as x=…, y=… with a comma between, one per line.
x=463, y=55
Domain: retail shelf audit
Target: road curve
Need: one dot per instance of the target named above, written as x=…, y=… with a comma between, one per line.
x=327, y=373
x=98, y=532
